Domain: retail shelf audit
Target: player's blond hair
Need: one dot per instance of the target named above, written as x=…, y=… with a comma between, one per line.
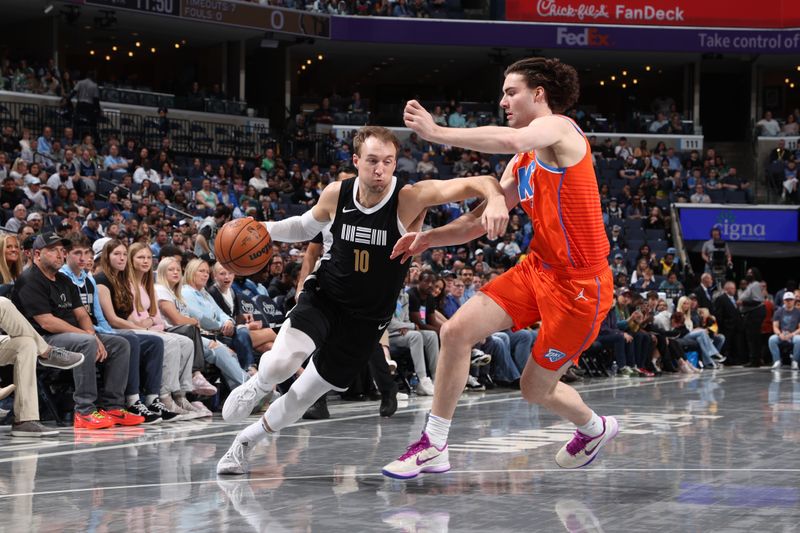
x=379, y=132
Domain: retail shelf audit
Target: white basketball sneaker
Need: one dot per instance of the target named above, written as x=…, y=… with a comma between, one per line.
x=235, y=460
x=242, y=400
x=421, y=456
x=583, y=449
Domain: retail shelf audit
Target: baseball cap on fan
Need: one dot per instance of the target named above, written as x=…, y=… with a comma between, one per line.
x=97, y=246
x=46, y=240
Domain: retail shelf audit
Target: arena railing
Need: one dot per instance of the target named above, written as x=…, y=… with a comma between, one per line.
x=192, y=138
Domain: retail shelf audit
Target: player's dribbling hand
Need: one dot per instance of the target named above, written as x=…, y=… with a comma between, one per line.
x=418, y=119
x=495, y=218
x=410, y=245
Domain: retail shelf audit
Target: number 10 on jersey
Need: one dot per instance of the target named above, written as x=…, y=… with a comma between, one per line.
x=361, y=260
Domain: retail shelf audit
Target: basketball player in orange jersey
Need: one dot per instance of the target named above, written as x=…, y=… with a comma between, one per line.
x=565, y=281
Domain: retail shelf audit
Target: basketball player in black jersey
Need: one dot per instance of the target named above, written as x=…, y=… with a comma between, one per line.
x=379, y=370
x=347, y=303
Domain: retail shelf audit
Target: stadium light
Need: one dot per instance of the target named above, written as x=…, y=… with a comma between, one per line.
x=602, y=82
x=91, y=52
x=635, y=81
x=320, y=57
x=624, y=85
x=308, y=61
x=153, y=50
x=613, y=78
x=177, y=45
x=114, y=48
x=130, y=54
x=624, y=72
x=108, y=58
x=138, y=44
x=786, y=80
x=647, y=68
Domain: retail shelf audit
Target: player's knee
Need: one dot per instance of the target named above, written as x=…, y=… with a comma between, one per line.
x=454, y=333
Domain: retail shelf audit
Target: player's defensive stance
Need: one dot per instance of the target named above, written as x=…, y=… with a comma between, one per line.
x=565, y=281
x=348, y=302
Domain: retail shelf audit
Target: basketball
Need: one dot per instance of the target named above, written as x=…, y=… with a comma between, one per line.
x=243, y=246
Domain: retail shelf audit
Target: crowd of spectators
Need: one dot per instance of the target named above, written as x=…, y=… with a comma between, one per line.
x=25, y=77
x=131, y=229
x=46, y=78
x=781, y=173
x=769, y=126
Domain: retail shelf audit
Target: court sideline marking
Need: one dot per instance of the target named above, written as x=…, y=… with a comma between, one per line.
x=462, y=403
x=561, y=471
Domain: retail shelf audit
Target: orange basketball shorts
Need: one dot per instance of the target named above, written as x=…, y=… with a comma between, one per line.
x=571, y=308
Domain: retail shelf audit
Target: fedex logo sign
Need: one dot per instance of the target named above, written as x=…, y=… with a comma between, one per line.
x=590, y=37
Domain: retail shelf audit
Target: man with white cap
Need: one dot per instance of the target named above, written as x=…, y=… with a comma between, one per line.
x=33, y=190
x=35, y=221
x=786, y=328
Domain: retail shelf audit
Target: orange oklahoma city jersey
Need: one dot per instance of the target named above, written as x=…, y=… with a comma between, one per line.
x=564, y=207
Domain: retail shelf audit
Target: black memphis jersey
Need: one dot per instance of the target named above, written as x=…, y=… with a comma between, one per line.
x=356, y=272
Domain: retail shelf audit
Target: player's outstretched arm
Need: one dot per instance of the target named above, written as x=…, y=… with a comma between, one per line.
x=467, y=227
x=415, y=199
x=306, y=226
x=541, y=133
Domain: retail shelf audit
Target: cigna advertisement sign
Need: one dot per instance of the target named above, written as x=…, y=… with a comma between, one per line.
x=705, y=13
x=739, y=224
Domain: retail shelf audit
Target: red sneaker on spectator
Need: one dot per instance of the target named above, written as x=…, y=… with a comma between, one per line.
x=123, y=417
x=645, y=373
x=95, y=420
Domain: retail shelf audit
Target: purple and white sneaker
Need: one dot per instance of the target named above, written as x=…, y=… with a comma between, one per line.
x=421, y=456
x=583, y=449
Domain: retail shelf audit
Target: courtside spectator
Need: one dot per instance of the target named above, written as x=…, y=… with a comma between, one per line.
x=786, y=332
x=52, y=305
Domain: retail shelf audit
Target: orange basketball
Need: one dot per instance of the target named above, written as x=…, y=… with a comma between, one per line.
x=243, y=246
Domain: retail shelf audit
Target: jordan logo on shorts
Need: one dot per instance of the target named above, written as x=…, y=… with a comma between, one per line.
x=581, y=296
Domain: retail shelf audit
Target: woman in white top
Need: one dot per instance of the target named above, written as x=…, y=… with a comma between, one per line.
x=174, y=310
x=791, y=127
x=19, y=170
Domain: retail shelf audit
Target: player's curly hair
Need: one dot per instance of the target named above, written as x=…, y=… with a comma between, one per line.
x=559, y=80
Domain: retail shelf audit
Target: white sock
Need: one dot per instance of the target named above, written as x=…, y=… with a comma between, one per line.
x=593, y=427
x=437, y=429
x=253, y=433
x=132, y=399
x=150, y=398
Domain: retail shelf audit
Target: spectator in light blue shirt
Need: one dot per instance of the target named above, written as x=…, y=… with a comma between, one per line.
x=457, y=118
x=115, y=163
x=45, y=142
x=674, y=160
x=201, y=305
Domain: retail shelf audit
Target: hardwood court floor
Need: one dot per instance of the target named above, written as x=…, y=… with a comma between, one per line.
x=718, y=452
